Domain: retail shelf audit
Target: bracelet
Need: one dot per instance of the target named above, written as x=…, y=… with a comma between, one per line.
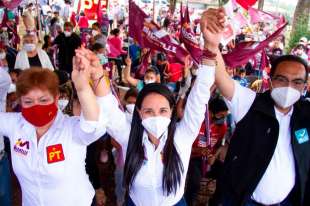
x=209, y=62
x=207, y=54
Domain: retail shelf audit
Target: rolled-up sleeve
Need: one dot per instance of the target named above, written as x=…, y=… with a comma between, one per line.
x=241, y=102
x=196, y=106
x=117, y=125
x=89, y=131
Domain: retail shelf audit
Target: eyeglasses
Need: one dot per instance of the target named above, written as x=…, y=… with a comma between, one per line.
x=284, y=81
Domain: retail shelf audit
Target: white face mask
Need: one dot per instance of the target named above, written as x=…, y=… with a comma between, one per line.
x=67, y=33
x=130, y=108
x=149, y=81
x=94, y=32
x=285, y=96
x=103, y=59
x=62, y=104
x=29, y=47
x=2, y=55
x=156, y=125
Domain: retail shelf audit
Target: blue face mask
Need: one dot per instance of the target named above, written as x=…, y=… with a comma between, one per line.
x=220, y=121
x=103, y=59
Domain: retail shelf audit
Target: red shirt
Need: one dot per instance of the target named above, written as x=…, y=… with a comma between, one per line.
x=175, y=70
x=115, y=47
x=83, y=22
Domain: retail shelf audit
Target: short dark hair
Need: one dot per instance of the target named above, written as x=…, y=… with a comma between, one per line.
x=217, y=105
x=68, y=24
x=132, y=92
x=96, y=24
x=289, y=58
x=97, y=47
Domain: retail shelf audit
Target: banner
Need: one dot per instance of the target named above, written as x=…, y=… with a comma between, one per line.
x=245, y=51
x=11, y=4
x=260, y=16
x=90, y=7
x=149, y=35
x=188, y=38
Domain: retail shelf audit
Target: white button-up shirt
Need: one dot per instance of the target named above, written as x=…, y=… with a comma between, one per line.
x=5, y=81
x=51, y=171
x=147, y=185
x=279, y=177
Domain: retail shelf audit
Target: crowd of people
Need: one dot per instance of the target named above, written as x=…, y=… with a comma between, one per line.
x=90, y=117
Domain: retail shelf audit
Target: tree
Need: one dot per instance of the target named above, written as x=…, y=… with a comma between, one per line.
x=300, y=25
x=261, y=4
x=172, y=5
x=301, y=14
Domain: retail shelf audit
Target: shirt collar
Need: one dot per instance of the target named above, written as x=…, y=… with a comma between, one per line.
x=280, y=114
x=162, y=140
x=57, y=124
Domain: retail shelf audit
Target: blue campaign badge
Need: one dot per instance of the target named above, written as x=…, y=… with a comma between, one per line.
x=302, y=136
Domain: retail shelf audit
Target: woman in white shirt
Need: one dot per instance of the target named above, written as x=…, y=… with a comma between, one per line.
x=31, y=55
x=48, y=149
x=158, y=148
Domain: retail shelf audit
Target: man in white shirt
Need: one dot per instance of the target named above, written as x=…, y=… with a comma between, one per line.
x=269, y=155
x=5, y=198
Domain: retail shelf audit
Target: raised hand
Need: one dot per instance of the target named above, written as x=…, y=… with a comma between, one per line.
x=80, y=75
x=212, y=24
x=89, y=61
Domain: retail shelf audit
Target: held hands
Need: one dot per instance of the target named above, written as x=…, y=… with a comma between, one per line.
x=212, y=25
x=89, y=61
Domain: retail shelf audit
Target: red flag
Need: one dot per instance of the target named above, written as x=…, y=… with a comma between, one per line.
x=73, y=19
x=149, y=35
x=4, y=19
x=188, y=37
x=246, y=3
x=246, y=50
x=143, y=65
x=99, y=13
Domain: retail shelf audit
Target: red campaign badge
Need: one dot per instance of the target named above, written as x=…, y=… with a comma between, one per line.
x=55, y=153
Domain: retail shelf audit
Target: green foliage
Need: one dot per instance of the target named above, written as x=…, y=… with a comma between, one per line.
x=301, y=29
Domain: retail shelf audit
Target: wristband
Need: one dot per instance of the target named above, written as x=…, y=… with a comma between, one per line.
x=207, y=54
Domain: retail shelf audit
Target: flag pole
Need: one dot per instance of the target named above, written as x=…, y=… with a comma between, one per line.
x=154, y=10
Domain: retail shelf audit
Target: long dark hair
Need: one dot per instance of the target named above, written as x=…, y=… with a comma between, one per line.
x=173, y=166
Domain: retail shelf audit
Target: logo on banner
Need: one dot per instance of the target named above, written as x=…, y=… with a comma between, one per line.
x=55, y=153
x=21, y=147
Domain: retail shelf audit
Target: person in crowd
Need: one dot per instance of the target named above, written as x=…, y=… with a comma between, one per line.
x=162, y=64
x=31, y=55
x=307, y=91
x=5, y=182
x=116, y=51
x=269, y=154
x=134, y=54
x=150, y=76
x=301, y=51
x=67, y=42
x=57, y=142
x=173, y=75
x=130, y=99
x=9, y=53
x=83, y=22
x=241, y=77
x=97, y=34
x=155, y=146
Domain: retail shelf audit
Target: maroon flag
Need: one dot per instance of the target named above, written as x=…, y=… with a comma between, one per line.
x=188, y=37
x=260, y=16
x=143, y=65
x=149, y=35
x=264, y=65
x=11, y=4
x=246, y=50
